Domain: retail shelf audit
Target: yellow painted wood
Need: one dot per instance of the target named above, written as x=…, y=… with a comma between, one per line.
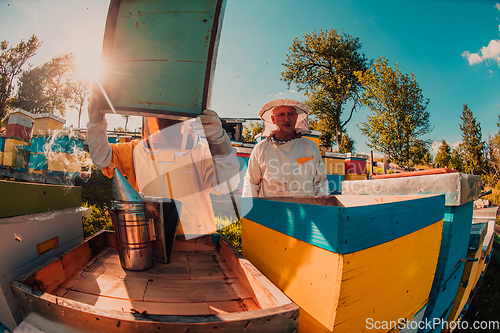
x=63, y=162
x=386, y=282
x=10, y=144
x=389, y=281
x=353, y=176
x=9, y=158
x=334, y=166
x=42, y=126
x=1, y=157
x=472, y=271
x=308, y=275
x=313, y=139
x=47, y=245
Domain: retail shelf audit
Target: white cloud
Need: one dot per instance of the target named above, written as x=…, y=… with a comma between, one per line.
x=434, y=147
x=497, y=6
x=455, y=145
x=490, y=52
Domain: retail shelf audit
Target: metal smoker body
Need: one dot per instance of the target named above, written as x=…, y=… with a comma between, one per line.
x=132, y=238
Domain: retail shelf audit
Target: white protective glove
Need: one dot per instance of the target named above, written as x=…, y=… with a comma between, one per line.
x=218, y=141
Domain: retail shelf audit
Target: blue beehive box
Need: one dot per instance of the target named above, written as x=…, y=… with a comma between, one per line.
x=75, y=145
x=38, y=161
x=38, y=143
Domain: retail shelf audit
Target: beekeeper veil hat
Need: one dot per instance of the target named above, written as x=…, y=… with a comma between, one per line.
x=302, y=125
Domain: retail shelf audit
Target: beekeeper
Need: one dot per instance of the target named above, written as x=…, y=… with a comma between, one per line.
x=173, y=160
x=285, y=163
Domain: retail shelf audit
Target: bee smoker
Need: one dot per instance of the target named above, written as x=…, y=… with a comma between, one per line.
x=128, y=212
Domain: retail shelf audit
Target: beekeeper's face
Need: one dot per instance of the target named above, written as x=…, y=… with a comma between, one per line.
x=285, y=118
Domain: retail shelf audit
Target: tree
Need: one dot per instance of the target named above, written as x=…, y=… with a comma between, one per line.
x=126, y=116
x=472, y=145
x=48, y=87
x=80, y=92
x=399, y=115
x=323, y=65
x=456, y=161
x=443, y=155
x=347, y=144
x=12, y=60
x=420, y=153
x=494, y=156
x=251, y=130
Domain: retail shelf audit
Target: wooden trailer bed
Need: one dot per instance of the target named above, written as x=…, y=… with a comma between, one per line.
x=207, y=286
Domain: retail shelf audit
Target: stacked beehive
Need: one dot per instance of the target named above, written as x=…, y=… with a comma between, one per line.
x=64, y=150
x=355, y=166
x=335, y=171
x=43, y=123
x=17, y=140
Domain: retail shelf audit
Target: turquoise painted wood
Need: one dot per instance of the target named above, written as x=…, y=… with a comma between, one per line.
x=454, y=245
x=335, y=183
x=2, y=143
x=443, y=304
x=38, y=143
x=38, y=161
x=159, y=56
x=328, y=226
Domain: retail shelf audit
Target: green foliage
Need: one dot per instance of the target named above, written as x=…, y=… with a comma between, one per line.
x=12, y=60
x=323, y=66
x=494, y=157
x=99, y=220
x=99, y=191
x=347, y=144
x=420, y=153
x=231, y=230
x=456, y=160
x=443, y=155
x=250, y=131
x=399, y=115
x=472, y=145
x=49, y=87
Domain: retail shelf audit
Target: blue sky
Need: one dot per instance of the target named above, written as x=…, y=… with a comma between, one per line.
x=452, y=47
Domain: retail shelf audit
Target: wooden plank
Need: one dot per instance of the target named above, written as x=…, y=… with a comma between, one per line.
x=198, y=243
x=263, y=292
x=134, y=306
x=73, y=260
x=190, y=290
x=48, y=278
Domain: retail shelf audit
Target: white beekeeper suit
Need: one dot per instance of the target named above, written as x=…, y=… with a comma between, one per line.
x=174, y=162
x=280, y=168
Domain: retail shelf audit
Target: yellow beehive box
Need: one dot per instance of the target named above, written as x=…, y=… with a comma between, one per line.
x=63, y=162
x=9, y=158
x=334, y=163
x=45, y=122
x=354, y=176
x=1, y=157
x=10, y=144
